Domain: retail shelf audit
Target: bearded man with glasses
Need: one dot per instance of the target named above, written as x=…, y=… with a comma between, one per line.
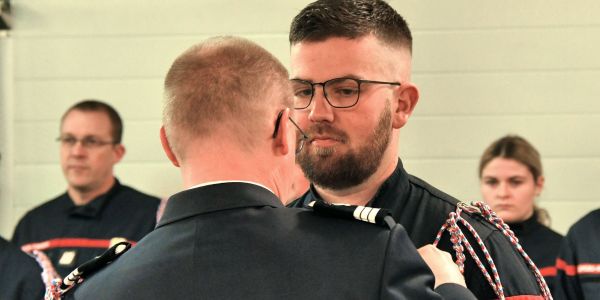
x=350, y=70
x=96, y=211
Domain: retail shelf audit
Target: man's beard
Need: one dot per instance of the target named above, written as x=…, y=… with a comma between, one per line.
x=326, y=170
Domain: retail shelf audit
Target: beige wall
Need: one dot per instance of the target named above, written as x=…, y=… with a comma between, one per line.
x=485, y=69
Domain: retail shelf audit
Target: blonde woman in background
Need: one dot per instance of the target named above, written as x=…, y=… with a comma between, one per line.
x=511, y=178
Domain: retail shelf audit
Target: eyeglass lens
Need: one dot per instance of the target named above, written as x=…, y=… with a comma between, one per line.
x=340, y=92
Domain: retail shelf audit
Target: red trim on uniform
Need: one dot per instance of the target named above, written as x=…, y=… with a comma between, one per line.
x=548, y=271
x=525, y=297
x=570, y=270
x=581, y=269
x=69, y=243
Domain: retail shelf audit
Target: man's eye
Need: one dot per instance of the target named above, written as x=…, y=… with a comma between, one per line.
x=346, y=91
x=303, y=93
x=90, y=142
x=69, y=140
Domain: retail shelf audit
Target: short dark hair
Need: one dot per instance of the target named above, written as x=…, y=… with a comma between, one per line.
x=351, y=19
x=99, y=106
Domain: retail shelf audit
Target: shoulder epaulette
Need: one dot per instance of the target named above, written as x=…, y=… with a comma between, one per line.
x=469, y=208
x=379, y=216
x=93, y=265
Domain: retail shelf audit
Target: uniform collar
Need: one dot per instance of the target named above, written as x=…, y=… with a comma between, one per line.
x=216, y=197
x=525, y=226
x=395, y=189
x=94, y=207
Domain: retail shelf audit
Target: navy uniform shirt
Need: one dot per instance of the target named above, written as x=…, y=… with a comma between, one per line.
x=20, y=275
x=423, y=209
x=70, y=234
x=236, y=240
x=541, y=244
x=578, y=261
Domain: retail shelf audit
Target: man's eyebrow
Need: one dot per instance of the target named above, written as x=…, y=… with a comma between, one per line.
x=349, y=75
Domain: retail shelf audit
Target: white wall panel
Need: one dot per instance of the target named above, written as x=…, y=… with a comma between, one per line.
x=468, y=14
x=501, y=93
x=37, y=183
x=47, y=100
x=467, y=136
x=139, y=17
x=515, y=50
x=484, y=69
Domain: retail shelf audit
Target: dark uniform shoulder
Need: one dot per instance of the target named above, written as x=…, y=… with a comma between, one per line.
x=590, y=219
x=56, y=203
x=89, y=268
x=470, y=213
x=137, y=195
x=378, y=216
x=434, y=192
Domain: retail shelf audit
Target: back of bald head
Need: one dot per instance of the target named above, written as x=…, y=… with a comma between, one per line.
x=223, y=85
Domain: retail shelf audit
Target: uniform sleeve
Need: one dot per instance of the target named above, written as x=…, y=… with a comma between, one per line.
x=406, y=276
x=566, y=284
x=20, y=277
x=453, y=291
x=518, y=280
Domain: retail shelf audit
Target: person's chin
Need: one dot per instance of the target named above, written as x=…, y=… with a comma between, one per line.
x=79, y=183
x=506, y=216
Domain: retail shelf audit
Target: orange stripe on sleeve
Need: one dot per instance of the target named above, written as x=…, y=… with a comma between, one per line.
x=548, y=271
x=69, y=243
x=581, y=269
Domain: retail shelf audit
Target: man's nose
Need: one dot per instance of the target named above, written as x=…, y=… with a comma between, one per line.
x=320, y=109
x=78, y=148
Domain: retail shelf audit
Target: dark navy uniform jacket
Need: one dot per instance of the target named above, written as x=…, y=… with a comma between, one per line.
x=71, y=235
x=236, y=240
x=542, y=245
x=20, y=275
x=578, y=261
x=422, y=209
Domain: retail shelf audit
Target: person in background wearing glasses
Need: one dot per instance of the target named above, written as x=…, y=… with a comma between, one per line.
x=96, y=210
x=228, y=126
x=350, y=73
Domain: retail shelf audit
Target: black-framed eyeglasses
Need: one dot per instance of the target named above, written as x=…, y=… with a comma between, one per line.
x=88, y=142
x=303, y=136
x=339, y=92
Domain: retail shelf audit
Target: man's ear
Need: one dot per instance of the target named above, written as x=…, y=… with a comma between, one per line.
x=167, y=147
x=406, y=97
x=282, y=140
x=119, y=152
